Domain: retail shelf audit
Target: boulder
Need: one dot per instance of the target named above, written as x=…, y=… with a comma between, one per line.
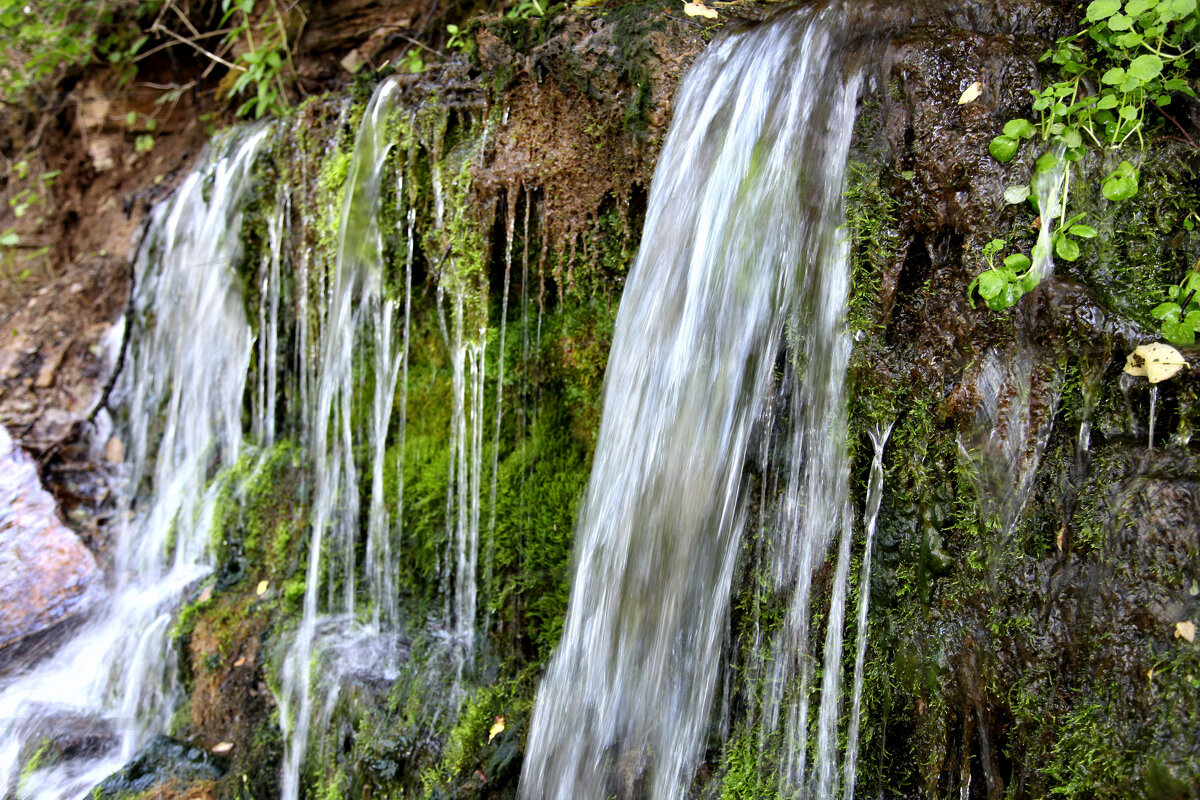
x=47, y=577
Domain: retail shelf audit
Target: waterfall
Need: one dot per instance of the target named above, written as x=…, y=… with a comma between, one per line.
x=358, y=316
x=741, y=261
x=188, y=356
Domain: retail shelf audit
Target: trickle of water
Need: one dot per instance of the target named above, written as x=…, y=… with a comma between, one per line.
x=185, y=372
x=1049, y=187
x=270, y=294
x=879, y=437
x=740, y=238
x=1153, y=409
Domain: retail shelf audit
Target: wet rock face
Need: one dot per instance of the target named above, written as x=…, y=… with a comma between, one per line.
x=51, y=578
x=165, y=768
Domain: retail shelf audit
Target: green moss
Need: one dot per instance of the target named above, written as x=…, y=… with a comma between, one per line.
x=749, y=772
x=540, y=485
x=874, y=242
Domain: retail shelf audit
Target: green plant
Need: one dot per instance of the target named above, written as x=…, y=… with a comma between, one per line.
x=456, y=40
x=524, y=9
x=1140, y=56
x=412, y=62
x=1179, y=317
x=260, y=68
x=1003, y=285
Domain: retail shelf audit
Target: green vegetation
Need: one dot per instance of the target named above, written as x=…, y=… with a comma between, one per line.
x=267, y=53
x=1180, y=315
x=41, y=41
x=1138, y=58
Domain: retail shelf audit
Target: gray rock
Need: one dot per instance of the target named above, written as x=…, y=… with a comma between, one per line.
x=48, y=578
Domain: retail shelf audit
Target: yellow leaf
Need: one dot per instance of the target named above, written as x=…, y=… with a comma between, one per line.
x=496, y=729
x=1156, y=362
x=1134, y=365
x=972, y=93
x=262, y=588
x=1185, y=630
x=698, y=10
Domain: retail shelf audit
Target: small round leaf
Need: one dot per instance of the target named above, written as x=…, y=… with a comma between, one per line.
x=1102, y=9
x=1003, y=148
x=1016, y=194
x=1067, y=249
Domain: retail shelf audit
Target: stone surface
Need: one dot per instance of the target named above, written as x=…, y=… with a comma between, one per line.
x=47, y=577
x=165, y=768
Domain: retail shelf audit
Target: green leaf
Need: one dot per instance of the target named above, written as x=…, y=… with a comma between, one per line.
x=1107, y=101
x=1181, y=8
x=1018, y=262
x=1119, y=22
x=1128, y=112
x=1192, y=284
x=1102, y=9
x=1135, y=8
x=1113, y=76
x=1019, y=129
x=1129, y=39
x=994, y=246
x=1016, y=194
x=1084, y=231
x=1003, y=148
x=9, y=239
x=1145, y=67
x=1046, y=162
x=1119, y=187
x=1164, y=310
x=1066, y=248
x=991, y=284
x=1031, y=280
x=1177, y=332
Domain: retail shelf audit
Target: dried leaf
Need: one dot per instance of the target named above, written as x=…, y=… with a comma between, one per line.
x=1156, y=362
x=699, y=10
x=222, y=748
x=971, y=94
x=496, y=729
x=240, y=661
x=206, y=595
x=261, y=589
x=1185, y=630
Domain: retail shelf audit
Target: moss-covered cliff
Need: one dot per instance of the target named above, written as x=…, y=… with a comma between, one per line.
x=1034, y=554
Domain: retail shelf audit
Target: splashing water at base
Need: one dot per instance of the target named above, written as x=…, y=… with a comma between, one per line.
x=183, y=384
x=741, y=238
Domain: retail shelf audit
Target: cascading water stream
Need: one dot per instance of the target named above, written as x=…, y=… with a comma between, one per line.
x=357, y=310
x=741, y=238
x=879, y=437
x=188, y=356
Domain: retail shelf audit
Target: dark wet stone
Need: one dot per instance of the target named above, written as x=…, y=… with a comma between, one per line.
x=161, y=761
